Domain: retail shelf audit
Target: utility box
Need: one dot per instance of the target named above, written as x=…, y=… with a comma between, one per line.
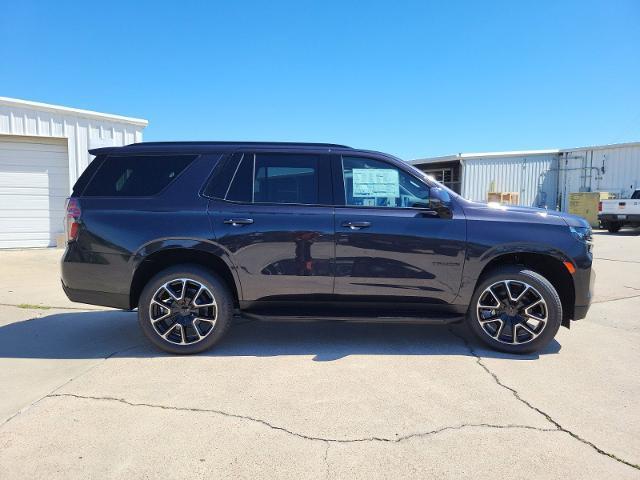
x=585, y=205
x=509, y=198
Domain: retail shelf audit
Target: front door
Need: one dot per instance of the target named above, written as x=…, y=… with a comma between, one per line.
x=276, y=223
x=392, y=247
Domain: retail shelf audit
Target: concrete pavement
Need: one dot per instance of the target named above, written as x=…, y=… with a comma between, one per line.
x=87, y=397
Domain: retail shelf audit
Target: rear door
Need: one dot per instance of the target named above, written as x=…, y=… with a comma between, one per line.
x=276, y=222
x=396, y=244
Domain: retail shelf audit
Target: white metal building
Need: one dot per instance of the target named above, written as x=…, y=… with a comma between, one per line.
x=43, y=151
x=543, y=178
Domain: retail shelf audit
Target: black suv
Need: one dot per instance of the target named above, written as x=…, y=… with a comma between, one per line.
x=191, y=233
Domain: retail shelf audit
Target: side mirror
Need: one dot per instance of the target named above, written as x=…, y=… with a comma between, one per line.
x=440, y=202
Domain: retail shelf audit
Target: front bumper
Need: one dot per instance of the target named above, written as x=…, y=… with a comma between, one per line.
x=584, y=281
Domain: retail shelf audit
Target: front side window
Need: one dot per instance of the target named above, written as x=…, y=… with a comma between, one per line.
x=372, y=183
x=136, y=175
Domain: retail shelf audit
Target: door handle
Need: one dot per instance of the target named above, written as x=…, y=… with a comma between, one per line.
x=356, y=225
x=238, y=222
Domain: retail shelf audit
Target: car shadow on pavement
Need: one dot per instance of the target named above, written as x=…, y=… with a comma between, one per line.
x=101, y=334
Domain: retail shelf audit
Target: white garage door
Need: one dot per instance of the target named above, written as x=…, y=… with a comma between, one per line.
x=34, y=183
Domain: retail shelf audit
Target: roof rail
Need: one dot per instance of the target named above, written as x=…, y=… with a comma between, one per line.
x=239, y=143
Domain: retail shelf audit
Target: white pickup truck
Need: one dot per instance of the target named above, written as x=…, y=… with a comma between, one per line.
x=614, y=214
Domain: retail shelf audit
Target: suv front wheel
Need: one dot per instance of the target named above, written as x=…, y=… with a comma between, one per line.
x=515, y=310
x=185, y=309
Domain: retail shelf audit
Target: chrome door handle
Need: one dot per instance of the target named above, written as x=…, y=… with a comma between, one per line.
x=238, y=222
x=356, y=225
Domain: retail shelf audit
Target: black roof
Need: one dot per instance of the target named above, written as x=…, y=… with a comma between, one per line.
x=211, y=146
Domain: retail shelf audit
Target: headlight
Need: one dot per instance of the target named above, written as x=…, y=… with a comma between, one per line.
x=584, y=235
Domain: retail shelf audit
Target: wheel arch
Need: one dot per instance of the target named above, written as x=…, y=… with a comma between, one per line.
x=154, y=260
x=549, y=266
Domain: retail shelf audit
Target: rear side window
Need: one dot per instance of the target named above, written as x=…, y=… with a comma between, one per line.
x=88, y=173
x=136, y=175
x=286, y=179
x=281, y=178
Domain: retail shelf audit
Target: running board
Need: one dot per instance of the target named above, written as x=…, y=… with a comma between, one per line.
x=434, y=320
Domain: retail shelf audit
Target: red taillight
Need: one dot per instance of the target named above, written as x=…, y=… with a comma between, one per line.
x=599, y=206
x=72, y=220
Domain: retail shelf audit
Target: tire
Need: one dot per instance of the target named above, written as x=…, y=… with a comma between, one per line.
x=531, y=333
x=614, y=227
x=190, y=305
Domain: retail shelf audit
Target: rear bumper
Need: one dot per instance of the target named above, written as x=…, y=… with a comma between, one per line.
x=615, y=217
x=95, y=278
x=91, y=297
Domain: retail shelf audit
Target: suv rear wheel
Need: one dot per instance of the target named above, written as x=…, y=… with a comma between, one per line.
x=185, y=309
x=515, y=310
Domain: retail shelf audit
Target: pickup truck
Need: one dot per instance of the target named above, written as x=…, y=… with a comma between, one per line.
x=614, y=214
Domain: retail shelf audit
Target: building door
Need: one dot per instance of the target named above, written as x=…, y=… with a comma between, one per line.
x=34, y=183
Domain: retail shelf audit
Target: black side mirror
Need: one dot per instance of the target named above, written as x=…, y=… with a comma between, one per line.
x=440, y=202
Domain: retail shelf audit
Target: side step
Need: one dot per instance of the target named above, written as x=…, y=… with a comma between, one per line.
x=435, y=320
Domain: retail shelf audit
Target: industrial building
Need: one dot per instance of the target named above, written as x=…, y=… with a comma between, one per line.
x=43, y=151
x=540, y=178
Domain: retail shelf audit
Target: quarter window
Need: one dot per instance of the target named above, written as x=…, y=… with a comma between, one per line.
x=240, y=188
x=372, y=183
x=136, y=175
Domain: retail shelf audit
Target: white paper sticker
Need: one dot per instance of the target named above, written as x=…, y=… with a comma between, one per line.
x=376, y=182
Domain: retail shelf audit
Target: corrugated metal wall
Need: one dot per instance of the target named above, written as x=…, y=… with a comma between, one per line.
x=534, y=177
x=81, y=131
x=581, y=170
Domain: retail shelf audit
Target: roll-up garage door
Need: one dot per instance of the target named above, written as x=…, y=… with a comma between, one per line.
x=34, y=183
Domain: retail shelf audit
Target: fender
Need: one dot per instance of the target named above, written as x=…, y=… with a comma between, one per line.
x=184, y=243
x=477, y=260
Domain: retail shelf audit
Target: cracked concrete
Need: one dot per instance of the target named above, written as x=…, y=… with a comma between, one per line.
x=114, y=440
x=555, y=423
x=321, y=400
x=397, y=439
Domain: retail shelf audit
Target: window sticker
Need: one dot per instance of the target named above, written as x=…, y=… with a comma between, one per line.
x=376, y=182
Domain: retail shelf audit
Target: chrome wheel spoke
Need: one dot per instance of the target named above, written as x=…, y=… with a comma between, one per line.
x=194, y=324
x=499, y=332
x=201, y=290
x=166, y=334
x=195, y=297
x=514, y=334
x=491, y=319
x=527, y=329
x=166, y=287
x=490, y=307
x=209, y=320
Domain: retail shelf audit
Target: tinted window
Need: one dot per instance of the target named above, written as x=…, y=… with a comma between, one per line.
x=86, y=176
x=286, y=178
x=240, y=188
x=136, y=175
x=372, y=183
x=222, y=174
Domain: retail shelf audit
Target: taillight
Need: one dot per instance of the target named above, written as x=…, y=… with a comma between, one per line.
x=72, y=219
x=599, y=206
